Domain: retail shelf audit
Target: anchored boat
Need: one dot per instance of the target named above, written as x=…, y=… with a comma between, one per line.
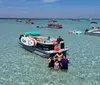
x=95, y=31
x=54, y=24
x=35, y=42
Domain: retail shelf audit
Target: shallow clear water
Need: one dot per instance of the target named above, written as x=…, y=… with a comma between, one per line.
x=20, y=67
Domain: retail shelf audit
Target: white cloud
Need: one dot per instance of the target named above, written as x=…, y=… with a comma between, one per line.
x=47, y=1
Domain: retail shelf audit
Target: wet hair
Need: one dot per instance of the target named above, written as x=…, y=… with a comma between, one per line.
x=56, y=60
x=64, y=56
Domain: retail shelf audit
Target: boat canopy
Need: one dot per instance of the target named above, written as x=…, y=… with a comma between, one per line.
x=34, y=33
x=94, y=22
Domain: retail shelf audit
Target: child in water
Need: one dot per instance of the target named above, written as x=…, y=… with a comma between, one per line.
x=56, y=65
x=51, y=63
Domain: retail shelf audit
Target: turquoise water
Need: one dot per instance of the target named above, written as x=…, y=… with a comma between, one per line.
x=20, y=67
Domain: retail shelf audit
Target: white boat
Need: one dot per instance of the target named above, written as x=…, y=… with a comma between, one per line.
x=95, y=31
x=36, y=43
x=19, y=20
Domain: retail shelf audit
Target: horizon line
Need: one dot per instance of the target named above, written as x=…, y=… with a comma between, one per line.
x=48, y=18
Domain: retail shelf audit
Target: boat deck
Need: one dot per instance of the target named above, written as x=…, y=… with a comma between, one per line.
x=41, y=39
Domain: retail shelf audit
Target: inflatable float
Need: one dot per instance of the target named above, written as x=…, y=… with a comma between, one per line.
x=75, y=32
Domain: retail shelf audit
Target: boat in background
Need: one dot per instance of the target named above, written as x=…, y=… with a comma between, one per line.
x=54, y=24
x=18, y=20
x=41, y=27
x=35, y=42
x=89, y=19
x=95, y=31
x=75, y=19
x=29, y=21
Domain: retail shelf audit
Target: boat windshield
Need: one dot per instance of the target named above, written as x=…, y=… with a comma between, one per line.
x=95, y=25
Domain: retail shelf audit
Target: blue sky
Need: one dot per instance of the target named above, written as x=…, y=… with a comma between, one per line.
x=50, y=8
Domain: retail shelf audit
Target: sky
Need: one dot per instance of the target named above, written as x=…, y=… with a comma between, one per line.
x=50, y=8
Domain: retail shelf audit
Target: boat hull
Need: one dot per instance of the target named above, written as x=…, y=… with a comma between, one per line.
x=41, y=52
x=93, y=33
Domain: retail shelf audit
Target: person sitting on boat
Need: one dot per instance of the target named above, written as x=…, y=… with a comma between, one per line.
x=93, y=27
x=64, y=63
x=59, y=39
x=98, y=28
x=47, y=40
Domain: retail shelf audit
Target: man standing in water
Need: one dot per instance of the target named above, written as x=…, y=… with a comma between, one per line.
x=64, y=63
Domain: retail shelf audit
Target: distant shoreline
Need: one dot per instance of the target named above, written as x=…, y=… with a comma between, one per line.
x=52, y=18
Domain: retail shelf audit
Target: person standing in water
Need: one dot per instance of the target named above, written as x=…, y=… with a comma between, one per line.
x=58, y=56
x=56, y=65
x=64, y=63
x=51, y=62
